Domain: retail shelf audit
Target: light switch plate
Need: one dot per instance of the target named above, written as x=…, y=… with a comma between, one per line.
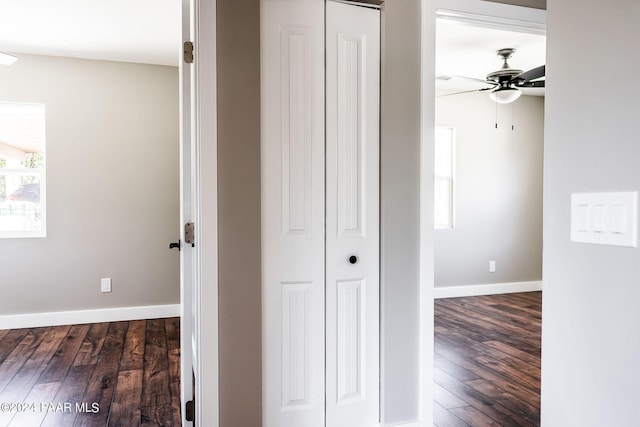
x=605, y=218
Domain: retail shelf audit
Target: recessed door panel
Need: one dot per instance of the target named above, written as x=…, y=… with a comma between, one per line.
x=352, y=206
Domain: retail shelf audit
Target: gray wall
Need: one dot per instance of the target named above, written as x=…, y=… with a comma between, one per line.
x=400, y=209
x=498, y=191
x=112, y=187
x=239, y=172
x=239, y=213
x=590, y=345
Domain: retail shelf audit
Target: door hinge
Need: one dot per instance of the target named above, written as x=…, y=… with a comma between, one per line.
x=189, y=234
x=188, y=52
x=190, y=411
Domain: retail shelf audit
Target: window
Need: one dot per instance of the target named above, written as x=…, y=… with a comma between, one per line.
x=22, y=170
x=443, y=177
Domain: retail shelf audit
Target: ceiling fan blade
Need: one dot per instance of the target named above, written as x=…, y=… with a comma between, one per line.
x=449, y=77
x=538, y=83
x=466, y=91
x=534, y=73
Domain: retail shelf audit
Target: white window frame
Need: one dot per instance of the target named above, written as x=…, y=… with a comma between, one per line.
x=41, y=173
x=450, y=180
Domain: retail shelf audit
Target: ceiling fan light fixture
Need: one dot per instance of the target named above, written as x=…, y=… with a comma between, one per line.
x=505, y=95
x=6, y=59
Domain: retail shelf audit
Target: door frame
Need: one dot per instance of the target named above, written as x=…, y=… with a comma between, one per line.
x=206, y=187
x=466, y=12
x=204, y=161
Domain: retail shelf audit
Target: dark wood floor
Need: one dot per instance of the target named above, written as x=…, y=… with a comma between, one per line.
x=103, y=374
x=487, y=369
x=487, y=360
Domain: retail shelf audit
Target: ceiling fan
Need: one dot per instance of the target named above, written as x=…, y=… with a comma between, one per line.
x=506, y=82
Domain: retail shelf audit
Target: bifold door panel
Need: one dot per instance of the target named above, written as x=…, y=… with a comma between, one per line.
x=320, y=214
x=352, y=215
x=292, y=82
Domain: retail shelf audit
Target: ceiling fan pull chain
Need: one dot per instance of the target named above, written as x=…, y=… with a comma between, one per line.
x=513, y=109
x=496, y=104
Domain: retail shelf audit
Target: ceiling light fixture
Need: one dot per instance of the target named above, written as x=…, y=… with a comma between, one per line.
x=505, y=95
x=6, y=59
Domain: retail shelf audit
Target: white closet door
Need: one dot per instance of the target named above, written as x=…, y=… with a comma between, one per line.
x=352, y=209
x=292, y=92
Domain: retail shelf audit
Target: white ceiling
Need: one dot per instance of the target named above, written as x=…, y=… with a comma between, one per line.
x=464, y=50
x=145, y=31
x=148, y=31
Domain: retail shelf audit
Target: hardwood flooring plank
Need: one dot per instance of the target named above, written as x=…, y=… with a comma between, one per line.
x=158, y=415
x=474, y=417
x=172, y=328
x=468, y=319
x=39, y=398
x=20, y=354
x=443, y=418
x=495, y=348
x=125, y=409
x=71, y=391
x=516, y=387
x=507, y=316
x=133, y=354
x=494, y=410
x=452, y=369
x=520, y=373
x=445, y=398
x=22, y=382
x=92, y=345
x=62, y=359
x=156, y=392
x=527, y=409
x=103, y=381
x=10, y=340
x=500, y=317
x=29, y=372
x=476, y=399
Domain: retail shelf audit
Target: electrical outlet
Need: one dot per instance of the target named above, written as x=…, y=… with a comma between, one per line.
x=492, y=266
x=105, y=285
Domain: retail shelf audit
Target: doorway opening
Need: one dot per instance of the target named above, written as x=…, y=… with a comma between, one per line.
x=488, y=229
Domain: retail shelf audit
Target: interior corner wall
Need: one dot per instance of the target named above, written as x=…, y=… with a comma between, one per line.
x=400, y=210
x=590, y=345
x=497, y=191
x=239, y=214
x=112, y=139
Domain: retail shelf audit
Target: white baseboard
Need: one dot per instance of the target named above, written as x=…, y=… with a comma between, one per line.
x=412, y=424
x=488, y=289
x=35, y=320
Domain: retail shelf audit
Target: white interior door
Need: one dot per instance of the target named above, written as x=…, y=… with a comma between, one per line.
x=352, y=215
x=187, y=200
x=198, y=186
x=320, y=312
